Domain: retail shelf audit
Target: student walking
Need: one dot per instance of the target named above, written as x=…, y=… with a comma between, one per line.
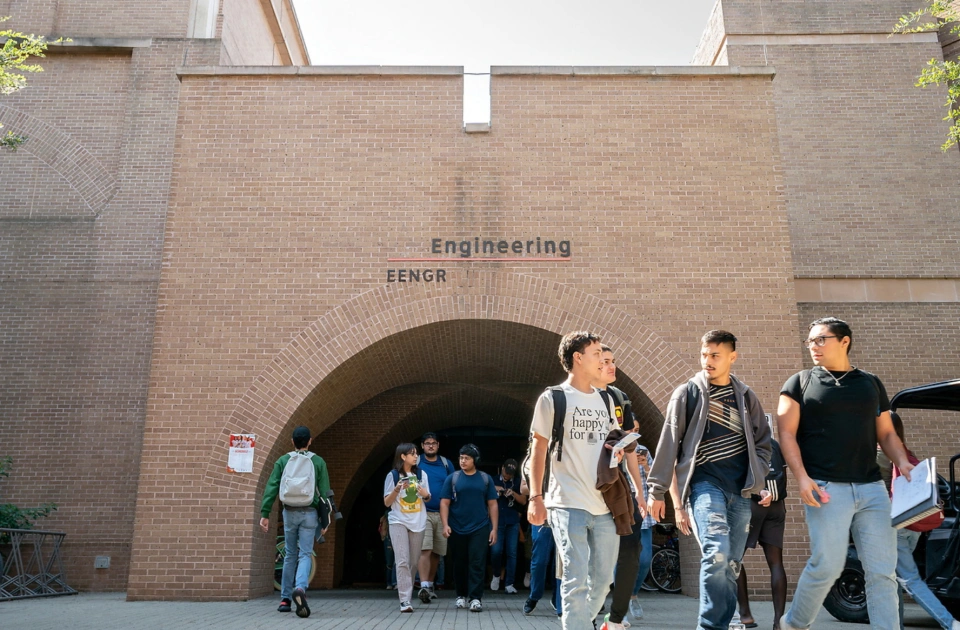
x=582, y=526
x=438, y=468
x=404, y=491
x=509, y=501
x=468, y=510
x=908, y=574
x=716, y=443
x=768, y=517
x=646, y=534
x=299, y=479
x=628, y=556
x=831, y=419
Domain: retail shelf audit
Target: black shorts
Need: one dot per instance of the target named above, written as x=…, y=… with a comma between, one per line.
x=766, y=524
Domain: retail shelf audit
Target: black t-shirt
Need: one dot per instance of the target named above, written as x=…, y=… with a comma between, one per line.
x=838, y=424
x=722, y=457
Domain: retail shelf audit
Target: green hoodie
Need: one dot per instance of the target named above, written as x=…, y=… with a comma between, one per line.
x=273, y=485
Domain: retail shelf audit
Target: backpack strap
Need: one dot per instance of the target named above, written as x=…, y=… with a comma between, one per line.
x=559, y=411
x=453, y=484
x=621, y=400
x=447, y=465
x=396, y=476
x=693, y=399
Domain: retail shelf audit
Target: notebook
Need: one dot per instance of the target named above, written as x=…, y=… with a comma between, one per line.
x=915, y=499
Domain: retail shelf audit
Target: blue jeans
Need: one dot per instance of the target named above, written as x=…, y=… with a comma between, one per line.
x=542, y=553
x=507, y=536
x=299, y=528
x=646, y=557
x=588, y=547
x=861, y=509
x=720, y=522
x=908, y=575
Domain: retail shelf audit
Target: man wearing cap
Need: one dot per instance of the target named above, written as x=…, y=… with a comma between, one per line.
x=300, y=520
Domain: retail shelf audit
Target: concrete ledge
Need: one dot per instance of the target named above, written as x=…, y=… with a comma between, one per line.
x=93, y=44
x=877, y=289
x=320, y=71
x=821, y=40
x=658, y=71
x=476, y=127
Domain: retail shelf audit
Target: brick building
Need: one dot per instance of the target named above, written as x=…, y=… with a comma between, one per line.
x=205, y=235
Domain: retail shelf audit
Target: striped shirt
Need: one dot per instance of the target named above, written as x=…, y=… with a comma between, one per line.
x=722, y=457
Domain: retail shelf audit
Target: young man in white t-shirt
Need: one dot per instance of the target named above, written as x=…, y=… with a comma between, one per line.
x=583, y=528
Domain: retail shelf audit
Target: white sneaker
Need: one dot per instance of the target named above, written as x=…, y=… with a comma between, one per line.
x=526, y=580
x=956, y=625
x=625, y=623
x=510, y=589
x=405, y=607
x=433, y=594
x=495, y=583
x=636, y=610
x=461, y=602
x=475, y=605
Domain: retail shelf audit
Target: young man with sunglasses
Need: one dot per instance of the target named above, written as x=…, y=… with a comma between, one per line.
x=831, y=419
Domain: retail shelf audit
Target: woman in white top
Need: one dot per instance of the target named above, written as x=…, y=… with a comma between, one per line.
x=404, y=491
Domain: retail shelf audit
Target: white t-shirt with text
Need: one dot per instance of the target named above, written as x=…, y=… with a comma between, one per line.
x=573, y=480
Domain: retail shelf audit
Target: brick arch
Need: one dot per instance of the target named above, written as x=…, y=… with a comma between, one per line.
x=270, y=403
x=77, y=166
x=321, y=355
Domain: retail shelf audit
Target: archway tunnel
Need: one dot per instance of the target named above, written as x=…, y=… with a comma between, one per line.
x=467, y=380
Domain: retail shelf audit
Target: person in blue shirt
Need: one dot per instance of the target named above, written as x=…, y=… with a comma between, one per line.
x=468, y=510
x=438, y=468
x=509, y=500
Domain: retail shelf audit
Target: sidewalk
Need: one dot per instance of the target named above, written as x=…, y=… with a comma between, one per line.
x=348, y=609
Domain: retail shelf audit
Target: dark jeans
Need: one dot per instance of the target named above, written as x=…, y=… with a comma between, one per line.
x=507, y=536
x=543, y=552
x=628, y=563
x=470, y=561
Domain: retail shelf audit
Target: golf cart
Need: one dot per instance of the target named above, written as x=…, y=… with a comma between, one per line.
x=938, y=552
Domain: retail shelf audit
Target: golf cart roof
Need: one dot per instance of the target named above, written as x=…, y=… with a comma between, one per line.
x=944, y=395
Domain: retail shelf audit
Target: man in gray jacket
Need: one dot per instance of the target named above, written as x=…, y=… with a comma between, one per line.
x=714, y=452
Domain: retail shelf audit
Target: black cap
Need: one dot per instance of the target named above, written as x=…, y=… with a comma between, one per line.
x=301, y=433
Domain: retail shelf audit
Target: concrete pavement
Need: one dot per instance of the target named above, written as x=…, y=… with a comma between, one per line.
x=349, y=609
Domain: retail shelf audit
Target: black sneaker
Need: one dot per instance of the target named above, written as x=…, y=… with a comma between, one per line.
x=424, y=595
x=284, y=606
x=300, y=599
x=528, y=607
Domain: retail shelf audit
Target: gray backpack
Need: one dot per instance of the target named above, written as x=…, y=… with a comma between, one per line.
x=299, y=480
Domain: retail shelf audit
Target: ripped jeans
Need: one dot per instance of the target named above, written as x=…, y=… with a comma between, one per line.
x=720, y=522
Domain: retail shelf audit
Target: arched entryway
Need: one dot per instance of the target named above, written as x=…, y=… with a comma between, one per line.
x=394, y=363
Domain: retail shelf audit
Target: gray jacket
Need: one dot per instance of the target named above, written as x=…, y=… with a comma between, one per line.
x=678, y=444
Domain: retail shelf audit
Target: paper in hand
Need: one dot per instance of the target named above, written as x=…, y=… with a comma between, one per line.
x=624, y=442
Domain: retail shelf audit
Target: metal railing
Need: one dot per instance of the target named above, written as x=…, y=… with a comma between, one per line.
x=32, y=566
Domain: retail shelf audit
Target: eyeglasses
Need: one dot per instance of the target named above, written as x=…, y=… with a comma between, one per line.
x=818, y=341
x=431, y=443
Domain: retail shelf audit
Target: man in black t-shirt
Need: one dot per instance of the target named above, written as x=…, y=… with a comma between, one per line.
x=716, y=448
x=831, y=419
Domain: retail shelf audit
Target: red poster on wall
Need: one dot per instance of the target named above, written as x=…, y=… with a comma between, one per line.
x=240, y=458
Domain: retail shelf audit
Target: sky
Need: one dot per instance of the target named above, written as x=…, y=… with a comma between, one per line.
x=477, y=35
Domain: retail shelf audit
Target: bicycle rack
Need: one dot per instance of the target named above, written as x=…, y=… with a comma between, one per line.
x=27, y=570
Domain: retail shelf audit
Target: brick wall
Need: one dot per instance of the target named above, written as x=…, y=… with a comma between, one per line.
x=78, y=277
x=266, y=266
x=98, y=18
